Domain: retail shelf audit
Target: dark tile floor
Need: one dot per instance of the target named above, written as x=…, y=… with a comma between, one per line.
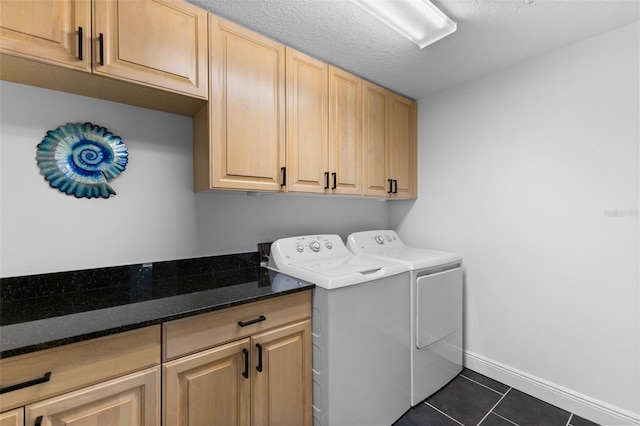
x=472, y=399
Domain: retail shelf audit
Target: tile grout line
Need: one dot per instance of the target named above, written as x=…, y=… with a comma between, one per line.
x=504, y=418
x=443, y=413
x=503, y=395
x=478, y=383
x=569, y=421
x=494, y=406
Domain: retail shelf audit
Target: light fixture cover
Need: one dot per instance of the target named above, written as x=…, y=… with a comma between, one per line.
x=418, y=20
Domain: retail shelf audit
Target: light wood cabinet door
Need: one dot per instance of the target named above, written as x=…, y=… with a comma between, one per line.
x=209, y=388
x=245, y=148
x=307, y=123
x=12, y=418
x=345, y=135
x=282, y=383
x=159, y=43
x=52, y=31
x=390, y=144
x=132, y=400
x=375, y=129
x=403, y=146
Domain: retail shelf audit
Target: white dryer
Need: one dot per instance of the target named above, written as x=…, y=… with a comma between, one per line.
x=436, y=307
x=360, y=330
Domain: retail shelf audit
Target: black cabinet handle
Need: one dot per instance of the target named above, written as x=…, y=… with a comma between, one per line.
x=43, y=379
x=38, y=421
x=259, y=367
x=284, y=176
x=395, y=186
x=101, y=43
x=335, y=180
x=390, y=191
x=253, y=321
x=326, y=180
x=80, y=40
x=245, y=373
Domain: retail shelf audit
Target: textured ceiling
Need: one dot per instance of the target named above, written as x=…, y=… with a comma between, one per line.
x=492, y=34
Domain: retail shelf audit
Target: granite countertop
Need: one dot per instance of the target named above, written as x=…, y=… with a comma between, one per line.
x=48, y=310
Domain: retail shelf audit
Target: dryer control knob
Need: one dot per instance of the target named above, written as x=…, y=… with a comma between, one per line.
x=314, y=246
x=379, y=239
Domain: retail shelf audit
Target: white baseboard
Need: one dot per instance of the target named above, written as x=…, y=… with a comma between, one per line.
x=574, y=402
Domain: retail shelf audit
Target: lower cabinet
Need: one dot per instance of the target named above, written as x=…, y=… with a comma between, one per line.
x=108, y=381
x=12, y=418
x=281, y=393
x=264, y=379
x=244, y=365
x=132, y=400
x=210, y=387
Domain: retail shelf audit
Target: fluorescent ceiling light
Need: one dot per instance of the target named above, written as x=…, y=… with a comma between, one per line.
x=418, y=20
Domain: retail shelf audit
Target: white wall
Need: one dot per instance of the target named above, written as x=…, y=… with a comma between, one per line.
x=155, y=214
x=520, y=172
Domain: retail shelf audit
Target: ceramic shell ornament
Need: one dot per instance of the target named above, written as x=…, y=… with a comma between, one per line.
x=79, y=159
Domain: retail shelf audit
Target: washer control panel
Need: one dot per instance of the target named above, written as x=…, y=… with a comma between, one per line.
x=310, y=247
x=368, y=241
x=384, y=238
x=315, y=244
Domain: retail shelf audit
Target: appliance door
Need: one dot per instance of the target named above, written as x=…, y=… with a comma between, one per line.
x=438, y=306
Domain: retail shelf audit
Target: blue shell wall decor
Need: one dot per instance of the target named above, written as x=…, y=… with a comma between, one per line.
x=79, y=159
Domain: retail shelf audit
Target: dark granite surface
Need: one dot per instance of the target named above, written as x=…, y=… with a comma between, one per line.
x=43, y=311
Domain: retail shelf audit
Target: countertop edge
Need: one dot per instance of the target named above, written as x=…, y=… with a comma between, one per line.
x=4, y=354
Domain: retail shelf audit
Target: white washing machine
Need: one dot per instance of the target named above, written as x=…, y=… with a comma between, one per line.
x=436, y=307
x=360, y=330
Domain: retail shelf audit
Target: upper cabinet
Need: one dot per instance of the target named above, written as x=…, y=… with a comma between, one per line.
x=276, y=119
x=54, y=31
x=239, y=138
x=324, y=138
x=154, y=42
x=375, y=129
x=307, y=123
x=389, y=128
x=345, y=136
x=153, y=52
x=403, y=147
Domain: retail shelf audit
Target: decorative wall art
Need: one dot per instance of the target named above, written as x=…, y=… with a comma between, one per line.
x=79, y=158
